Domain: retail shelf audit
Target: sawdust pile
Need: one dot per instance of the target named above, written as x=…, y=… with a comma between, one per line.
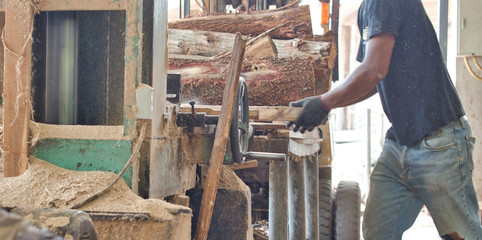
x=44, y=185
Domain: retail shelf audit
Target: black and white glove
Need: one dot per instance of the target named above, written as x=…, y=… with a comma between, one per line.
x=312, y=114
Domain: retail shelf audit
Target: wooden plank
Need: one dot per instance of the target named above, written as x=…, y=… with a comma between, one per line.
x=278, y=113
x=267, y=126
x=244, y=165
x=221, y=139
x=77, y=5
x=82, y=5
x=256, y=113
x=326, y=156
x=17, y=78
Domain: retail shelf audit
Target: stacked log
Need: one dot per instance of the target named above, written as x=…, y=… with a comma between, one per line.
x=277, y=71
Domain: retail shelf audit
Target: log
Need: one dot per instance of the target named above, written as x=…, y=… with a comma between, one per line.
x=297, y=18
x=197, y=43
x=302, y=68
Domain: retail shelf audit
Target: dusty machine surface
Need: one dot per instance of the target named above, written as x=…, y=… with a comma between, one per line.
x=118, y=214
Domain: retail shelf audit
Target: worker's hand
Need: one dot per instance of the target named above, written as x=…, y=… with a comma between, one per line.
x=312, y=114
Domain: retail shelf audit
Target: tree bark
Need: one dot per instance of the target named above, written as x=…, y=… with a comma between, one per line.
x=297, y=18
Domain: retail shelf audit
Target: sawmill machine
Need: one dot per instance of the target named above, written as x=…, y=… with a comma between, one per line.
x=100, y=72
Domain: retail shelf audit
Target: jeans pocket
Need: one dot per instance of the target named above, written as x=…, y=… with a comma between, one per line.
x=470, y=149
x=439, y=142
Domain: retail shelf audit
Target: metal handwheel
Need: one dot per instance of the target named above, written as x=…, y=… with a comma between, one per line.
x=240, y=130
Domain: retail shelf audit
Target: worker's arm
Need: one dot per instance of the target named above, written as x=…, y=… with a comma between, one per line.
x=360, y=85
x=362, y=82
x=366, y=96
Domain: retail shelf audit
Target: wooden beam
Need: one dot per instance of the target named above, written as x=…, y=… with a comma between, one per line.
x=17, y=77
x=326, y=156
x=81, y=5
x=256, y=113
x=77, y=5
x=220, y=140
x=267, y=126
x=244, y=165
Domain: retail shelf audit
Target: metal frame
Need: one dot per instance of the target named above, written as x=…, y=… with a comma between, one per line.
x=133, y=60
x=443, y=26
x=133, y=52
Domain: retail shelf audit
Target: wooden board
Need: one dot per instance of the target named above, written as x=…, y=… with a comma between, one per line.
x=77, y=5
x=17, y=65
x=220, y=141
x=256, y=113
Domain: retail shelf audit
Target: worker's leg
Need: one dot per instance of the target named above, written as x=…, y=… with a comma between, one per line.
x=441, y=174
x=391, y=207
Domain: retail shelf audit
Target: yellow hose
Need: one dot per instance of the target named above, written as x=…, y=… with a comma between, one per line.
x=466, y=59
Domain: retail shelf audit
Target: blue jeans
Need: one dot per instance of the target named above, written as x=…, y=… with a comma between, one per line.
x=437, y=173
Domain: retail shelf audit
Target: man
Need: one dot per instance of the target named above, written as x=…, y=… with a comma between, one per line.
x=427, y=155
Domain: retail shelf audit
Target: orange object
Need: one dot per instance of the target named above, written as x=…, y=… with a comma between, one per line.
x=325, y=12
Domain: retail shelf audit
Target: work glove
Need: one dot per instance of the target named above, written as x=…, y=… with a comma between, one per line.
x=312, y=114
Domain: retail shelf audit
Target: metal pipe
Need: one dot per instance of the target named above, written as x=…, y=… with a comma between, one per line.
x=159, y=83
x=187, y=8
x=311, y=197
x=180, y=8
x=369, y=143
x=296, y=196
x=159, y=72
x=265, y=156
x=278, y=200
x=443, y=27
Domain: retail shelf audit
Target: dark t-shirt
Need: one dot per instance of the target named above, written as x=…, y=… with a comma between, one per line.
x=417, y=94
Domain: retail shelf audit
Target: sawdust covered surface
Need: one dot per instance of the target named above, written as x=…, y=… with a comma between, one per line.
x=45, y=185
